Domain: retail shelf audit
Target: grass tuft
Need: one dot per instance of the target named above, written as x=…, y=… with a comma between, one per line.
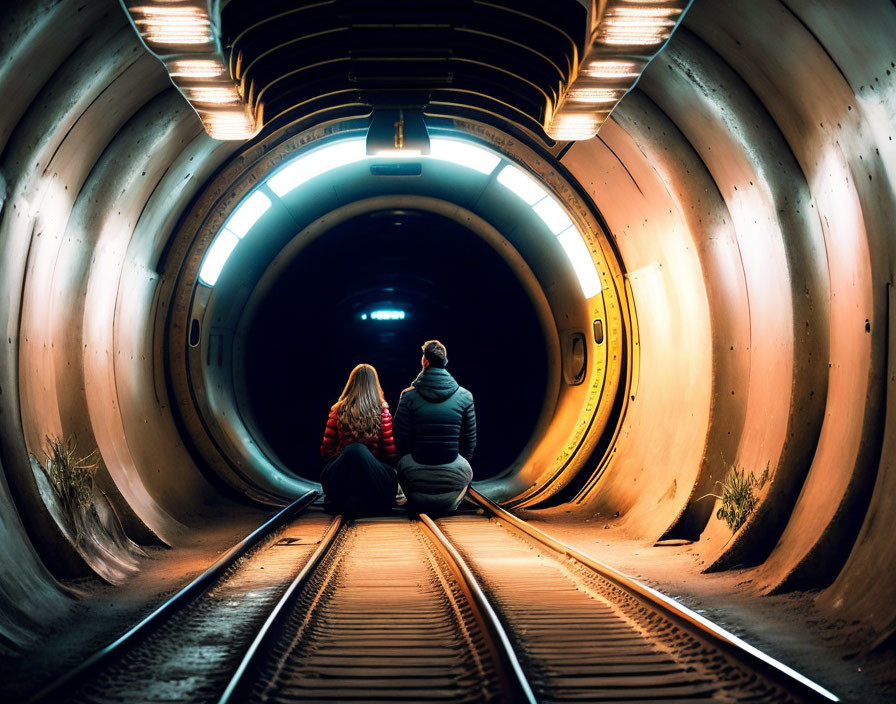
x=738, y=496
x=71, y=475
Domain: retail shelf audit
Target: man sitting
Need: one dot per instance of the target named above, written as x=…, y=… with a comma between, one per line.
x=435, y=433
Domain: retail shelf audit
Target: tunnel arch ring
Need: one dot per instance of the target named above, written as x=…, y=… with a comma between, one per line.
x=451, y=211
x=256, y=184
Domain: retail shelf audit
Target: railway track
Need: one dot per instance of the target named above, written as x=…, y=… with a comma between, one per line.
x=586, y=632
x=383, y=612
x=176, y=653
x=472, y=608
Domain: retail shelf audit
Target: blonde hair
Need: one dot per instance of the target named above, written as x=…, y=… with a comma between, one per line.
x=360, y=407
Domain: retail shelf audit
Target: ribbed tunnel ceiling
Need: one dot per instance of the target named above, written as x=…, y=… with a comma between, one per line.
x=506, y=59
x=555, y=71
x=746, y=183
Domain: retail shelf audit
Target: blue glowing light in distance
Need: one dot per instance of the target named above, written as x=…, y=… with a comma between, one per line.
x=384, y=315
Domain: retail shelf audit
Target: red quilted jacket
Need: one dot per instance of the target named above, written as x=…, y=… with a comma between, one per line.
x=335, y=440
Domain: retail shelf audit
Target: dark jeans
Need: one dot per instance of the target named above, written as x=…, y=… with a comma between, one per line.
x=357, y=484
x=435, y=489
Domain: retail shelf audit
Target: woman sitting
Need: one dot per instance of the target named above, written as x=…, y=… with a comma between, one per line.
x=357, y=446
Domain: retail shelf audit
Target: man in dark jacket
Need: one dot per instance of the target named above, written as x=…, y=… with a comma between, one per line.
x=435, y=433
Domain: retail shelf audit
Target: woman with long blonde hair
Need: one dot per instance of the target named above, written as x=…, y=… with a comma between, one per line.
x=359, y=449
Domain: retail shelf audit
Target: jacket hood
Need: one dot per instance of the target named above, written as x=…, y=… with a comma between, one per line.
x=435, y=384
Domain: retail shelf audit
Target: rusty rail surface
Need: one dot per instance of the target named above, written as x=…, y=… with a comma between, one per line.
x=63, y=687
x=720, y=664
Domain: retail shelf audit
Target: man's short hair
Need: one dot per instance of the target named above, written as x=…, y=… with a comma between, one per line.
x=435, y=353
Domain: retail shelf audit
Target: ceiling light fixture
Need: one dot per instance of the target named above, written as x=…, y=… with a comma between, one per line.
x=229, y=124
x=177, y=24
x=625, y=36
x=213, y=94
x=185, y=36
x=633, y=26
x=197, y=68
x=594, y=95
x=602, y=68
x=568, y=126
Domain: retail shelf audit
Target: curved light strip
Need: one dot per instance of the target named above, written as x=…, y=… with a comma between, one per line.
x=315, y=163
x=217, y=256
x=521, y=184
x=464, y=154
x=553, y=214
x=456, y=151
x=248, y=213
x=559, y=223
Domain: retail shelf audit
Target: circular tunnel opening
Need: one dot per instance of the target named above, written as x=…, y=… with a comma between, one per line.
x=501, y=209
x=372, y=290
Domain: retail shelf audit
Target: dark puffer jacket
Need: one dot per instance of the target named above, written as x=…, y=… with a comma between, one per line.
x=435, y=420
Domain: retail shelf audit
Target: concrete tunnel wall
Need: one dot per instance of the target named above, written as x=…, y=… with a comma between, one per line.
x=747, y=182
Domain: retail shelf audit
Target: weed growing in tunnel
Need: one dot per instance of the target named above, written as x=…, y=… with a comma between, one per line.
x=72, y=475
x=738, y=495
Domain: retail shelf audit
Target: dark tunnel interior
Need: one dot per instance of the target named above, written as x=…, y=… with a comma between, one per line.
x=320, y=319
x=656, y=236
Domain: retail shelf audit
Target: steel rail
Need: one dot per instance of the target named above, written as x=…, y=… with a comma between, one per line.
x=782, y=675
x=162, y=613
x=515, y=686
x=238, y=688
